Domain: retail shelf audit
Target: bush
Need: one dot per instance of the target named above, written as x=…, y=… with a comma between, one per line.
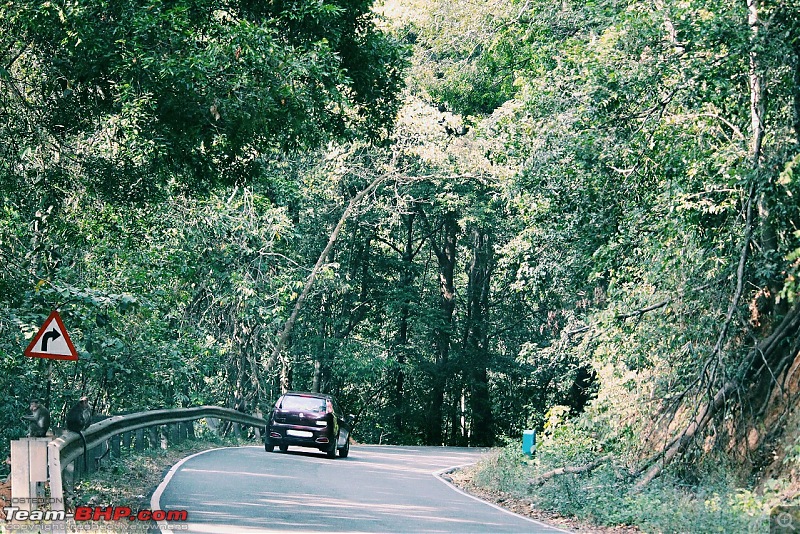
x=605, y=496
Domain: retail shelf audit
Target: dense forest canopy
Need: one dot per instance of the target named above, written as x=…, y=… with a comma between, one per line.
x=587, y=207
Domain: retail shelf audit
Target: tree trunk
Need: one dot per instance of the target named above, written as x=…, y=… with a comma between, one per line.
x=317, y=375
x=316, y=382
x=758, y=110
x=401, y=339
x=286, y=375
x=756, y=77
x=476, y=341
x=446, y=256
x=796, y=91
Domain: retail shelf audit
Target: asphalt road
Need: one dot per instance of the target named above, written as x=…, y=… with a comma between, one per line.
x=376, y=489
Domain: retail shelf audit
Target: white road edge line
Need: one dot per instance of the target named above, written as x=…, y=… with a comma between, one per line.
x=163, y=526
x=439, y=476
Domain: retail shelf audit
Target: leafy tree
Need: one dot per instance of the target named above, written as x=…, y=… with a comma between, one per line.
x=149, y=185
x=143, y=93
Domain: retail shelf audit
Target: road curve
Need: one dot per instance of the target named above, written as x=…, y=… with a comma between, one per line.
x=376, y=489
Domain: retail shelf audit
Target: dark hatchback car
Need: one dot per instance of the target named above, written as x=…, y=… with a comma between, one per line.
x=308, y=420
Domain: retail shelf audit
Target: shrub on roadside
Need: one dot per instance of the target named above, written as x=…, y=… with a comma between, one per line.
x=605, y=496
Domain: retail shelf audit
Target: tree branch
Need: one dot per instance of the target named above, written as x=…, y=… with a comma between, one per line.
x=287, y=329
x=641, y=311
x=789, y=325
x=541, y=479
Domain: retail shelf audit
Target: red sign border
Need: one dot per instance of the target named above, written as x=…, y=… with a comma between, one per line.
x=29, y=351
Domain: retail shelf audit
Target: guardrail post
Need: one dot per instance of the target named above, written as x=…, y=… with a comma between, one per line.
x=68, y=476
x=213, y=424
x=184, y=430
x=92, y=456
x=80, y=467
x=138, y=443
x=115, y=447
x=152, y=437
x=127, y=438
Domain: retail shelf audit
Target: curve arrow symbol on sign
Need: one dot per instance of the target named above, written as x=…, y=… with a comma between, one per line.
x=52, y=335
x=52, y=341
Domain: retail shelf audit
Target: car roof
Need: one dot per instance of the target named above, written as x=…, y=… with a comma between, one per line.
x=308, y=394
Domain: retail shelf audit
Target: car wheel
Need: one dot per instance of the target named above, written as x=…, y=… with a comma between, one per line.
x=268, y=447
x=331, y=453
x=344, y=451
x=284, y=448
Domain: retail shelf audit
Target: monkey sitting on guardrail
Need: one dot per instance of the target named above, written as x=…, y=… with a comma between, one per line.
x=78, y=419
x=38, y=420
x=79, y=416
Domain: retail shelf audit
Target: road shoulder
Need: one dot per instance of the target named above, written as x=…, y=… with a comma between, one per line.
x=462, y=479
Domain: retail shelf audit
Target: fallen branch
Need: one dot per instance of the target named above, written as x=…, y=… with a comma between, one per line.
x=570, y=470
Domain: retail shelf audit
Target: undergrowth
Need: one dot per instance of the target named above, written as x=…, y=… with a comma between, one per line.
x=705, y=496
x=605, y=497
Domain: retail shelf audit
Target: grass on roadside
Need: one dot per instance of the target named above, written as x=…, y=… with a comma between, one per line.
x=604, y=497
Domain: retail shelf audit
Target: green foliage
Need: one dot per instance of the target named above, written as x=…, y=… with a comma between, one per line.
x=147, y=93
x=150, y=187
x=565, y=192
x=465, y=59
x=157, y=300
x=604, y=496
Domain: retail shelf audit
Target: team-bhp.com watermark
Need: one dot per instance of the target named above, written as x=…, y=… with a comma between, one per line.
x=112, y=518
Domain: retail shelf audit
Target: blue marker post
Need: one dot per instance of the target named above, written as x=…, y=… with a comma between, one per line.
x=529, y=442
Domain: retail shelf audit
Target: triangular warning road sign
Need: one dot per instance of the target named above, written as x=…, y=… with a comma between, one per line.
x=52, y=341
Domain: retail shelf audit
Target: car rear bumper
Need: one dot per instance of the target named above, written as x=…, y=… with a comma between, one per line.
x=304, y=436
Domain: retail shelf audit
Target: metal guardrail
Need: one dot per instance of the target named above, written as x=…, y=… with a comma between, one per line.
x=66, y=449
x=70, y=446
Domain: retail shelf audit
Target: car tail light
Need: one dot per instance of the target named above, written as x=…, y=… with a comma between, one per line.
x=322, y=440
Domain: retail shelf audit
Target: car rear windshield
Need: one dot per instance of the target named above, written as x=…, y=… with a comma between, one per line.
x=305, y=404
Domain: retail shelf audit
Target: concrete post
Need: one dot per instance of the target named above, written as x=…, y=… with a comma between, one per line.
x=57, y=503
x=28, y=471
